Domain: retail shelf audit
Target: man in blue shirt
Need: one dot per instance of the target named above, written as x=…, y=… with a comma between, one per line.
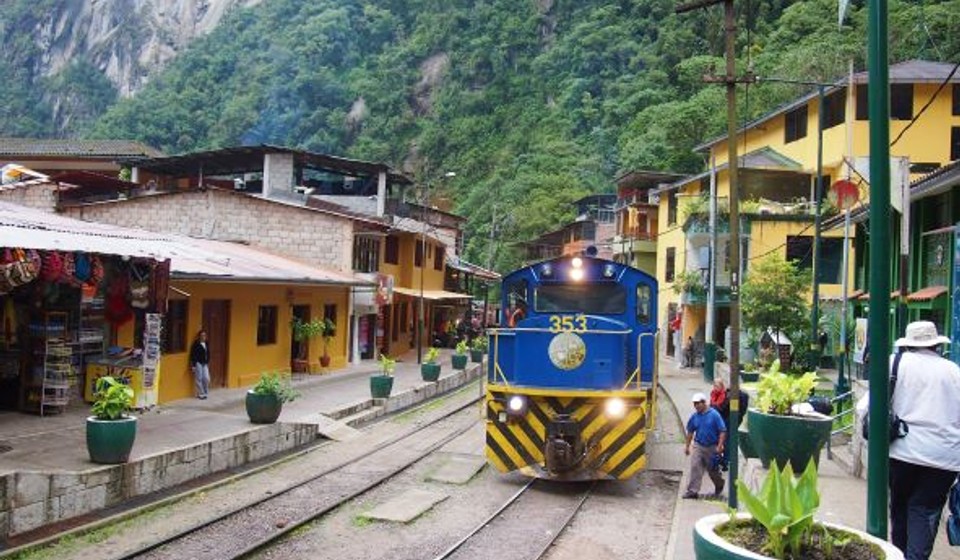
x=706, y=430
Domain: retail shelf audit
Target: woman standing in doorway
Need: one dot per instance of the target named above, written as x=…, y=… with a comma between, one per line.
x=199, y=362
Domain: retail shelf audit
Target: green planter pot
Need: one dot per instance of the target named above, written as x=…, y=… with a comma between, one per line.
x=788, y=438
x=430, y=372
x=749, y=376
x=263, y=409
x=380, y=386
x=110, y=441
x=476, y=356
x=746, y=446
x=707, y=545
x=459, y=362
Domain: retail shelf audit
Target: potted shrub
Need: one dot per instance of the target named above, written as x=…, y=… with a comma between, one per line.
x=780, y=431
x=303, y=331
x=780, y=524
x=477, y=349
x=750, y=372
x=329, y=331
x=459, y=357
x=381, y=383
x=265, y=400
x=430, y=368
x=110, y=431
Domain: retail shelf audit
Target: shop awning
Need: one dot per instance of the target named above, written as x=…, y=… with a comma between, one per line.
x=927, y=294
x=431, y=294
x=928, y=298
x=190, y=258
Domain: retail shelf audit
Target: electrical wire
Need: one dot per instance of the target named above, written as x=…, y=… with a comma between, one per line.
x=943, y=84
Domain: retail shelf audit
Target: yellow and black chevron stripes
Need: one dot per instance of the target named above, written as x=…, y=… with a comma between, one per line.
x=615, y=448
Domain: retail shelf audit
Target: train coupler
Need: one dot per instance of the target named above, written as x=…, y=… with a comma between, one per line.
x=565, y=448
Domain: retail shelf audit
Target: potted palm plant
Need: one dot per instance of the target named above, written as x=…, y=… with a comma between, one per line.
x=478, y=347
x=459, y=357
x=779, y=430
x=430, y=368
x=265, y=400
x=110, y=431
x=780, y=524
x=381, y=383
x=329, y=332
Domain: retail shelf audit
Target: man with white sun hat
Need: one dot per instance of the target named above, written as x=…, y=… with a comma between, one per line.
x=924, y=462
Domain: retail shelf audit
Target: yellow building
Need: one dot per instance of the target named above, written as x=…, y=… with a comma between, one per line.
x=778, y=171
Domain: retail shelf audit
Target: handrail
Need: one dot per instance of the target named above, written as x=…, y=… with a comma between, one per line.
x=656, y=377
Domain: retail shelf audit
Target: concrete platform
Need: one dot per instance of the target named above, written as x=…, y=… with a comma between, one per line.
x=457, y=468
x=47, y=477
x=843, y=497
x=407, y=506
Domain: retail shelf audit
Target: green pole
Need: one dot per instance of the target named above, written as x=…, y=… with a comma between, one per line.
x=879, y=317
x=815, y=349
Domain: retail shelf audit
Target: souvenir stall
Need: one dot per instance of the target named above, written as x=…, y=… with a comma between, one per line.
x=61, y=314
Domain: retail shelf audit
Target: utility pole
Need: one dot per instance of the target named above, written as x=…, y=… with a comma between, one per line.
x=878, y=462
x=731, y=80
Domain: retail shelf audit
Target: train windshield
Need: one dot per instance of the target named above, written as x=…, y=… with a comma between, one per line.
x=596, y=299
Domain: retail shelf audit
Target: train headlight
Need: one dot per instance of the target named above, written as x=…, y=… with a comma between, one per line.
x=517, y=405
x=576, y=274
x=615, y=408
x=577, y=262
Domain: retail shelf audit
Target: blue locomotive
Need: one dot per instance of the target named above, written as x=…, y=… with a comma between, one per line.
x=572, y=377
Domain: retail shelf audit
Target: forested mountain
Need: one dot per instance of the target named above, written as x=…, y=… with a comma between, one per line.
x=533, y=103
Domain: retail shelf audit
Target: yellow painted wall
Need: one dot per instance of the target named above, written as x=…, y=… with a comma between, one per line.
x=927, y=140
x=247, y=360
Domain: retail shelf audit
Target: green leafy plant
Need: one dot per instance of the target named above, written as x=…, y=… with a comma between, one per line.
x=387, y=364
x=784, y=506
x=305, y=330
x=276, y=384
x=774, y=296
x=689, y=281
x=479, y=344
x=432, y=355
x=462, y=348
x=777, y=392
x=111, y=399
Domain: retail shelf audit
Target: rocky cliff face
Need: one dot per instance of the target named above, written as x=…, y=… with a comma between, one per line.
x=127, y=40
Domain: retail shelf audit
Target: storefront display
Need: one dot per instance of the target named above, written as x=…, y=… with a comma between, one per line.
x=59, y=310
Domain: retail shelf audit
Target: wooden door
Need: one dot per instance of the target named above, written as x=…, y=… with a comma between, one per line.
x=216, y=321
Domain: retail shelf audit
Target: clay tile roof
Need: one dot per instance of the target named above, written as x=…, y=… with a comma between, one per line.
x=927, y=294
x=75, y=148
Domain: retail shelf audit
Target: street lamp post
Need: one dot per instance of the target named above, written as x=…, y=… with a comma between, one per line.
x=425, y=200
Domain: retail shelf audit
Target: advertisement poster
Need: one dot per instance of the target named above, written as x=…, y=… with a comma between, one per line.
x=860, y=341
x=151, y=360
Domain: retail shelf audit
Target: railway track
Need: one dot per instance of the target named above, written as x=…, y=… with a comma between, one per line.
x=531, y=520
x=258, y=524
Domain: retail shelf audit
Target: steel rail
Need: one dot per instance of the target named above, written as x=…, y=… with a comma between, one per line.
x=179, y=535
x=511, y=501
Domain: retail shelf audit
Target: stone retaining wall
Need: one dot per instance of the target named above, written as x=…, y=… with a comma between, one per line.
x=34, y=499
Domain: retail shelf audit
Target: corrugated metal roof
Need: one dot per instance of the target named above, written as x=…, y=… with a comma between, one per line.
x=75, y=148
x=190, y=258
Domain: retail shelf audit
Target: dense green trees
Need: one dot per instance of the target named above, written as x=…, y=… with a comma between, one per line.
x=533, y=104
